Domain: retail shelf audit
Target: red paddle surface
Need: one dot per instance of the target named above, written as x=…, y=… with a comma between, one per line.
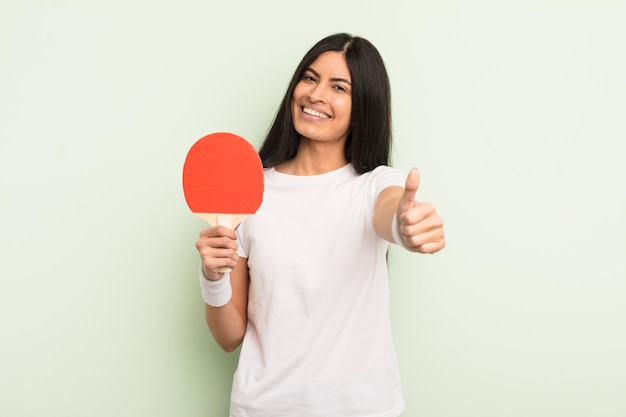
x=223, y=174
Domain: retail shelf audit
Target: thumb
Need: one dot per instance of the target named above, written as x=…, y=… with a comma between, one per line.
x=408, y=197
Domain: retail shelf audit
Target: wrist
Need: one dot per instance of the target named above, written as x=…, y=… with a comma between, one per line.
x=215, y=293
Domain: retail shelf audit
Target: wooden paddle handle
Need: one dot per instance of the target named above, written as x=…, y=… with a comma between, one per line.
x=225, y=220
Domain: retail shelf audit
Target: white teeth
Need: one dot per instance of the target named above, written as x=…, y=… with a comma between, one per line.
x=315, y=113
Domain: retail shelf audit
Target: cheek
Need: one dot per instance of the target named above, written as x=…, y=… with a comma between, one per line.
x=347, y=105
x=296, y=97
x=348, y=111
x=298, y=91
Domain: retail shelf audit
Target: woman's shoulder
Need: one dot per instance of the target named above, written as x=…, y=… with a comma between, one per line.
x=382, y=171
x=384, y=176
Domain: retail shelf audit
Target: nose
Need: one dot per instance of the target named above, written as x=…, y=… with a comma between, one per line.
x=316, y=94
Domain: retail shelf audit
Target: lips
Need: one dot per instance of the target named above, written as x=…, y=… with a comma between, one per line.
x=315, y=113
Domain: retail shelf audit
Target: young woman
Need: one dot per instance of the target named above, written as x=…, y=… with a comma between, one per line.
x=308, y=294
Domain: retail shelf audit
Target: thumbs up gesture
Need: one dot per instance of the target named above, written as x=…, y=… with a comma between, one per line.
x=418, y=225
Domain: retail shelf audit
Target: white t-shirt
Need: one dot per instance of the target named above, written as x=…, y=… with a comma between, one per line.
x=318, y=341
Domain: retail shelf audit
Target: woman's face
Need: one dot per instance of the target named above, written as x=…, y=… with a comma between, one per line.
x=322, y=99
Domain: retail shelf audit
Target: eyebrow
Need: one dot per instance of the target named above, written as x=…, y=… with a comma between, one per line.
x=317, y=74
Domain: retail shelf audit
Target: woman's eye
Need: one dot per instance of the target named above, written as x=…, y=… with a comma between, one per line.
x=340, y=88
x=308, y=78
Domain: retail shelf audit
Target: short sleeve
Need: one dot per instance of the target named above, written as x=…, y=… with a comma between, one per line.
x=242, y=249
x=385, y=177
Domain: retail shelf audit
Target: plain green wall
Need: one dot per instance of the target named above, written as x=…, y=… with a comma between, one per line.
x=514, y=112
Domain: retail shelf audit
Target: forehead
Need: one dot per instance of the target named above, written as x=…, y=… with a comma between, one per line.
x=332, y=64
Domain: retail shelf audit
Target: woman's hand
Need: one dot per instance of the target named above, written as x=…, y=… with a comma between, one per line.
x=420, y=227
x=217, y=248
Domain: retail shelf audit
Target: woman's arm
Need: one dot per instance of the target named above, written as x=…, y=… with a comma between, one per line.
x=217, y=248
x=228, y=323
x=418, y=224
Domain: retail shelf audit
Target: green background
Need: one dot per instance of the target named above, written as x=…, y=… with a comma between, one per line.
x=513, y=111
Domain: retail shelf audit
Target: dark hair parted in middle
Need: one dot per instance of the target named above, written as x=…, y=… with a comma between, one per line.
x=369, y=142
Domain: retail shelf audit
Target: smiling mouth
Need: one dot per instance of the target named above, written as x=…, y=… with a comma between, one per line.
x=315, y=113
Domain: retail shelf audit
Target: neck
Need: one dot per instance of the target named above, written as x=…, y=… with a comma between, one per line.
x=315, y=158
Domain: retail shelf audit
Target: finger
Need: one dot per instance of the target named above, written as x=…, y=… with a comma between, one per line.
x=432, y=247
x=218, y=253
x=213, y=264
x=216, y=242
x=407, y=199
x=215, y=259
x=417, y=214
x=218, y=231
x=419, y=239
x=211, y=270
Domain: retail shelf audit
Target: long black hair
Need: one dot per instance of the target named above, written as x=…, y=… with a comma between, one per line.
x=369, y=142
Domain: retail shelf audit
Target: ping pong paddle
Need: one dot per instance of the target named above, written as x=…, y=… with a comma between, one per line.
x=223, y=180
